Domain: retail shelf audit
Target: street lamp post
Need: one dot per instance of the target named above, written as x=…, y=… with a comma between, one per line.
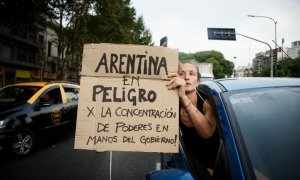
x=275, y=22
x=230, y=34
x=234, y=75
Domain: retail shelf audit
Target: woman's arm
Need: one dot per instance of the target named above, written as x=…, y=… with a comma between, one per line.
x=205, y=124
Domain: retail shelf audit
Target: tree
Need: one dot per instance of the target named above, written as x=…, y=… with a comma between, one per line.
x=221, y=67
x=19, y=15
x=141, y=35
x=202, y=56
x=228, y=67
x=185, y=56
x=95, y=21
x=283, y=68
x=294, y=67
x=115, y=22
x=264, y=73
x=217, y=68
x=71, y=12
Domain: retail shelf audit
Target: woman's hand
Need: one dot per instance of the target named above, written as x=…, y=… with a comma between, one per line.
x=176, y=82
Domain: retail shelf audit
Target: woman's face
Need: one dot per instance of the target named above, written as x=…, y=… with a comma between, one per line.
x=188, y=72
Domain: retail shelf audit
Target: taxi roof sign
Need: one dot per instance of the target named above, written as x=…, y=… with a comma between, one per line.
x=221, y=34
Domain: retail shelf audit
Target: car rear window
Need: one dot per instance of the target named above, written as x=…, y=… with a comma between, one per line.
x=72, y=94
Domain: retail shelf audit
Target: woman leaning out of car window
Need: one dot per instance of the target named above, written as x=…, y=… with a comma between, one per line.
x=197, y=120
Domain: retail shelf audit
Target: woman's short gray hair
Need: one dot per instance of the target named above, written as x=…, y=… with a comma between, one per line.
x=195, y=63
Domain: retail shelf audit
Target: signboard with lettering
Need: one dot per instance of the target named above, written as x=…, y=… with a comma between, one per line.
x=124, y=104
x=221, y=34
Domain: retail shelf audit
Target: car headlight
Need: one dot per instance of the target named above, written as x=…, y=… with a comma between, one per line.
x=3, y=123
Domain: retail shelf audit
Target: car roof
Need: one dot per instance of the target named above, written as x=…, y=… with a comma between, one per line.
x=232, y=84
x=41, y=84
x=29, y=84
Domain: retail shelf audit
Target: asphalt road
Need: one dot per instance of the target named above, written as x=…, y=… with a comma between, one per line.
x=56, y=158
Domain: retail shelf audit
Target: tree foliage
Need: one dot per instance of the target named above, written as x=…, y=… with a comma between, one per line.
x=221, y=67
x=18, y=14
x=78, y=22
x=185, y=56
x=283, y=68
x=115, y=22
x=294, y=67
x=95, y=21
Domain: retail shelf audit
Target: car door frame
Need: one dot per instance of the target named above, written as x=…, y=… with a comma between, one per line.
x=41, y=113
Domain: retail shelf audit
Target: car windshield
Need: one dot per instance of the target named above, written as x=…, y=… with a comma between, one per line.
x=17, y=95
x=269, y=121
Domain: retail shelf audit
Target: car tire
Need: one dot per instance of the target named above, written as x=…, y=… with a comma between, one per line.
x=23, y=143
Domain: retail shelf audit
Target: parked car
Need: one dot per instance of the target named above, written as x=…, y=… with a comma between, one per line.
x=31, y=109
x=259, y=129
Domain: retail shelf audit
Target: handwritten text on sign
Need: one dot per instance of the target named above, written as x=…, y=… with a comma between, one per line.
x=124, y=104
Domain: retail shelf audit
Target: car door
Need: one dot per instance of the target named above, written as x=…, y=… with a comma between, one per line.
x=47, y=112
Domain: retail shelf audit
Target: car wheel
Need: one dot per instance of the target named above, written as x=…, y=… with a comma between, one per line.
x=23, y=143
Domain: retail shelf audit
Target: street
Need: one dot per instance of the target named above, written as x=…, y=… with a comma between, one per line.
x=57, y=159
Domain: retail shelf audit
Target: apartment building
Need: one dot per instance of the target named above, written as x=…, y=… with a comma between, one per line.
x=30, y=55
x=262, y=59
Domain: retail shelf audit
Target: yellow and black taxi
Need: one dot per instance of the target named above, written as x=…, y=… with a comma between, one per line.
x=30, y=109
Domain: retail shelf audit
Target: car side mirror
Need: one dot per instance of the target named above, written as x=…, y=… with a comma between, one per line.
x=170, y=174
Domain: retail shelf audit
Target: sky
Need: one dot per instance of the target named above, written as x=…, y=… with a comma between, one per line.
x=185, y=24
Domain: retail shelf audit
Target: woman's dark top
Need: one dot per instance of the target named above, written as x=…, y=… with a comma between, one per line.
x=205, y=150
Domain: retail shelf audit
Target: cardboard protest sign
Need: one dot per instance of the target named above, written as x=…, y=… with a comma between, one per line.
x=124, y=104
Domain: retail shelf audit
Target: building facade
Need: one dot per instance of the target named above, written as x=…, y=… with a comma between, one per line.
x=20, y=54
x=294, y=51
x=262, y=59
x=206, y=70
x=243, y=71
x=30, y=55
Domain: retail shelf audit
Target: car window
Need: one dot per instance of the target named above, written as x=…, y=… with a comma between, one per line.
x=51, y=97
x=17, y=94
x=71, y=93
x=269, y=122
